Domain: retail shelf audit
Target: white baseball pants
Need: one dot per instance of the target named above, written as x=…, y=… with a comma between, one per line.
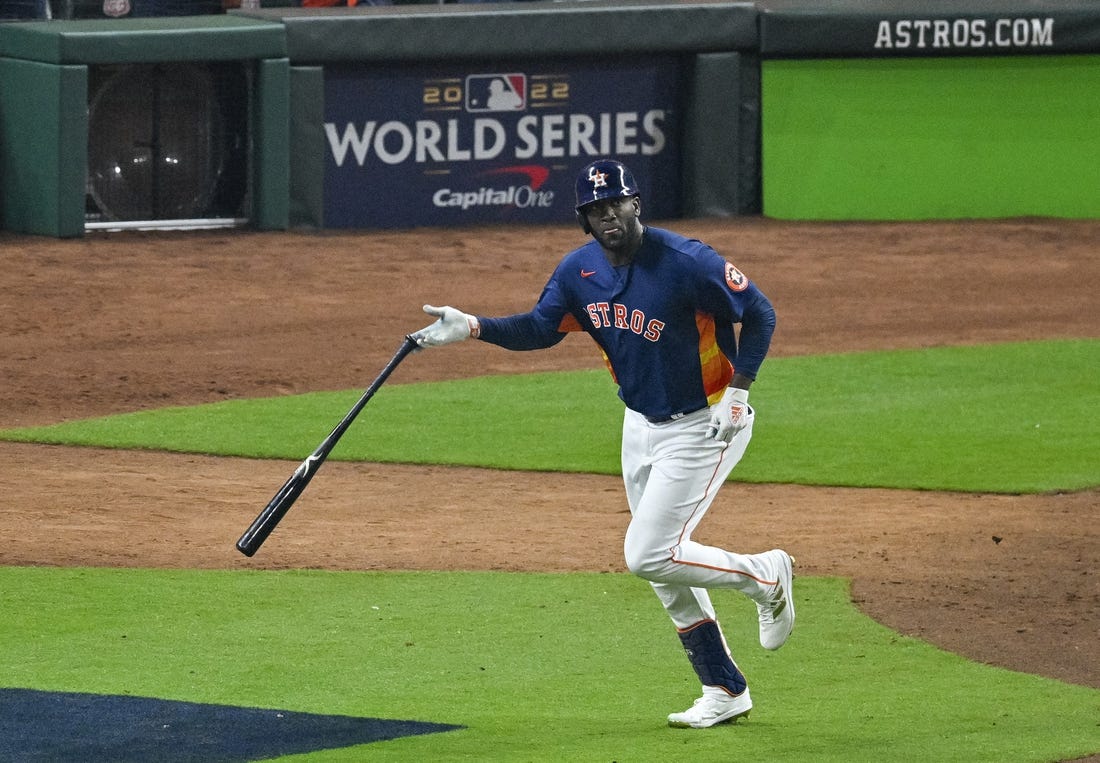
x=672, y=473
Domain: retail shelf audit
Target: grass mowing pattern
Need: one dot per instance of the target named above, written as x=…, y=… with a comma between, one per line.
x=533, y=664
x=1010, y=418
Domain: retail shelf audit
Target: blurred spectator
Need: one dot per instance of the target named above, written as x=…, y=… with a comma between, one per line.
x=24, y=10
x=29, y=10
x=337, y=3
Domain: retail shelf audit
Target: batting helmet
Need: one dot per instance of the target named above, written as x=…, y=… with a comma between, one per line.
x=602, y=179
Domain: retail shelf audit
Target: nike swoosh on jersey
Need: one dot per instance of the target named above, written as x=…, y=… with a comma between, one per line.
x=586, y=273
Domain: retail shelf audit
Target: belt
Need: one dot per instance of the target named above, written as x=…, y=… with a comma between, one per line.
x=670, y=417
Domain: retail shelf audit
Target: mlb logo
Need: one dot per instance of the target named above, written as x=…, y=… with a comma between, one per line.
x=496, y=92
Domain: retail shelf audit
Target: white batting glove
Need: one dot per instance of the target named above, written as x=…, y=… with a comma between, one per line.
x=730, y=414
x=452, y=326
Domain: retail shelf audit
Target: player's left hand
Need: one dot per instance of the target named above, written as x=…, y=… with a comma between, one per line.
x=452, y=326
x=730, y=414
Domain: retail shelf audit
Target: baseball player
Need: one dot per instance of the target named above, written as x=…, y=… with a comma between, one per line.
x=663, y=310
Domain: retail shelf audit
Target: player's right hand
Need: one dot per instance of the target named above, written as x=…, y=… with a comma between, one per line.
x=452, y=326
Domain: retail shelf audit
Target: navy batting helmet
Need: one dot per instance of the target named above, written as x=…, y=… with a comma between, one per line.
x=602, y=179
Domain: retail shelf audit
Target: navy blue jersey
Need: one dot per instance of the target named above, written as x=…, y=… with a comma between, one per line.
x=665, y=322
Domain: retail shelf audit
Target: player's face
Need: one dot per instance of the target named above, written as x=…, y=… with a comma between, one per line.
x=615, y=224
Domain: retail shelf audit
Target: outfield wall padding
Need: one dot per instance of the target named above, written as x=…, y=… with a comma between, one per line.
x=144, y=40
x=307, y=159
x=463, y=31
x=43, y=147
x=725, y=96
x=271, y=144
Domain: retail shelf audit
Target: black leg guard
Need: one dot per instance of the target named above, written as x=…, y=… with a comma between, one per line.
x=706, y=649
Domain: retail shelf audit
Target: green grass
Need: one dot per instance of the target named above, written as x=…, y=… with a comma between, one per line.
x=533, y=665
x=1010, y=418
x=584, y=667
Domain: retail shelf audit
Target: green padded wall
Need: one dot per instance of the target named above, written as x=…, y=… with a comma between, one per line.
x=271, y=149
x=475, y=30
x=144, y=40
x=43, y=147
x=722, y=164
x=307, y=160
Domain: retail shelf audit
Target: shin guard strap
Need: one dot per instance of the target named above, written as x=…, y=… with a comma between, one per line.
x=706, y=649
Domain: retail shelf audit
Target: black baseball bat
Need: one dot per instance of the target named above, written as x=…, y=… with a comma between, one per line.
x=278, y=506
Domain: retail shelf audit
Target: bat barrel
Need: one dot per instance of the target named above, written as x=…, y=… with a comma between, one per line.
x=261, y=527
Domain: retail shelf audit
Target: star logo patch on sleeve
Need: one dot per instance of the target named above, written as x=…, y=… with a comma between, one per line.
x=735, y=279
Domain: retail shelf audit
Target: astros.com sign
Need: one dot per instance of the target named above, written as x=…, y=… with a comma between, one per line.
x=419, y=146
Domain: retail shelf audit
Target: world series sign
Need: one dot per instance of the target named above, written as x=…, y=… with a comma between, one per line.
x=430, y=145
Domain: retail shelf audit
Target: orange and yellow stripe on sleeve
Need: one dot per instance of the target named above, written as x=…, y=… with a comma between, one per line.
x=716, y=368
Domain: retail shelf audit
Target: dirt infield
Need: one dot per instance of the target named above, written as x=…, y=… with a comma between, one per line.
x=121, y=322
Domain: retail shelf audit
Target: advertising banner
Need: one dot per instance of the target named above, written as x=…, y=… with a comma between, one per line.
x=432, y=144
x=913, y=28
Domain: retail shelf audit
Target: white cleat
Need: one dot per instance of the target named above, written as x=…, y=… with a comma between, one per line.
x=777, y=612
x=712, y=709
